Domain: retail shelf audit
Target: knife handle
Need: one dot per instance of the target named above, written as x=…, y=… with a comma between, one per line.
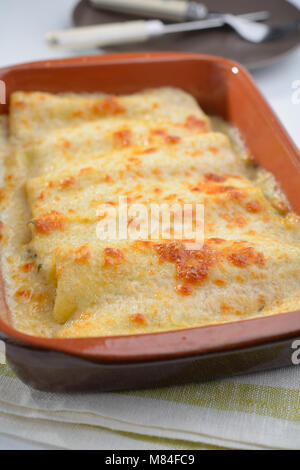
x=172, y=10
x=105, y=35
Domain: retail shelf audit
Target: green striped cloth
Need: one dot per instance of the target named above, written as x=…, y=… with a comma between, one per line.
x=260, y=411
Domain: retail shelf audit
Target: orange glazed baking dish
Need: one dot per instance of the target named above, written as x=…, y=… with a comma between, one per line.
x=223, y=88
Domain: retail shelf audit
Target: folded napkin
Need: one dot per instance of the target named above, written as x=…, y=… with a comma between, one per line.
x=260, y=411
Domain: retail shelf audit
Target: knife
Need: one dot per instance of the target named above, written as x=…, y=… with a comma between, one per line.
x=172, y=10
x=113, y=34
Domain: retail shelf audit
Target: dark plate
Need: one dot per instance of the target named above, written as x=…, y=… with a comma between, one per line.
x=222, y=41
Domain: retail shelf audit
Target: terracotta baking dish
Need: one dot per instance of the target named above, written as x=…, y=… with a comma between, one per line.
x=112, y=363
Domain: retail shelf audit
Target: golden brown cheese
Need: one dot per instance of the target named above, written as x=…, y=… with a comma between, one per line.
x=230, y=211
x=33, y=115
x=193, y=154
x=94, y=140
x=66, y=209
x=227, y=278
x=73, y=153
x=81, y=194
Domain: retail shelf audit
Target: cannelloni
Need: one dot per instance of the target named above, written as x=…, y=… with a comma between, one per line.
x=71, y=161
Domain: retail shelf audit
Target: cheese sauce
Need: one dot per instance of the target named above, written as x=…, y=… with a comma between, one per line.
x=63, y=156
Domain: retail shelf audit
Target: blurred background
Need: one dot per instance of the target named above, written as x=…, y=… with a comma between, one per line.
x=274, y=65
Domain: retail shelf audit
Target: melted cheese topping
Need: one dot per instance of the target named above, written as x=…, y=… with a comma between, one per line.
x=65, y=155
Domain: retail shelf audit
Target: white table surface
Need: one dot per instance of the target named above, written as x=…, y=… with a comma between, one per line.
x=23, y=24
